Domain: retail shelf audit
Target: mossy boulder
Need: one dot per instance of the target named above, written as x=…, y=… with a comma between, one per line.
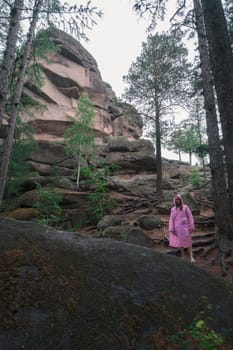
x=150, y=222
x=65, y=291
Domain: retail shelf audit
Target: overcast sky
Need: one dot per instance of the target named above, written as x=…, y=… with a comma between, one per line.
x=116, y=40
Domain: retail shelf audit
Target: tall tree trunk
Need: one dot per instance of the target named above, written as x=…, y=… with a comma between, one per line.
x=7, y=148
x=190, y=158
x=222, y=68
x=78, y=170
x=204, y=169
x=159, y=180
x=223, y=219
x=179, y=156
x=9, y=54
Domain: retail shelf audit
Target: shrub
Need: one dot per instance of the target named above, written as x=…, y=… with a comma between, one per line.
x=195, y=178
x=197, y=336
x=49, y=205
x=99, y=203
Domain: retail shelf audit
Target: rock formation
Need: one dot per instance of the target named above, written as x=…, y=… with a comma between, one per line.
x=70, y=72
x=117, y=126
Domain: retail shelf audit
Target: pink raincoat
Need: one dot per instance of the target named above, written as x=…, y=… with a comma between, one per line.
x=180, y=223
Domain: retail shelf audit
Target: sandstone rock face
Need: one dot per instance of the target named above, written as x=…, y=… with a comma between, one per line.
x=70, y=72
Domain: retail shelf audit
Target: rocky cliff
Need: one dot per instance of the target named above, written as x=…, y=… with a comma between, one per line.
x=68, y=73
x=117, y=126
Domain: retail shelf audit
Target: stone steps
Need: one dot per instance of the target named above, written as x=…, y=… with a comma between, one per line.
x=201, y=240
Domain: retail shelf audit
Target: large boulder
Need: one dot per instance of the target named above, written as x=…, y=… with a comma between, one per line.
x=110, y=220
x=65, y=291
x=127, y=233
x=165, y=205
x=131, y=157
x=150, y=222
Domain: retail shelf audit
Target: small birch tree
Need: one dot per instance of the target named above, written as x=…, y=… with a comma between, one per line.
x=80, y=137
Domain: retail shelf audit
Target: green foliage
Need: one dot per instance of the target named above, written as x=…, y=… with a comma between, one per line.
x=202, y=150
x=124, y=235
x=48, y=203
x=98, y=200
x=183, y=138
x=195, y=178
x=201, y=335
x=189, y=139
x=28, y=101
x=198, y=335
x=99, y=203
x=42, y=46
x=36, y=76
x=158, y=79
x=189, y=136
x=72, y=19
x=157, y=82
x=80, y=137
x=175, y=141
x=19, y=168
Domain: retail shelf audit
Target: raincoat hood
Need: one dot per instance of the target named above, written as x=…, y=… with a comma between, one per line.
x=178, y=196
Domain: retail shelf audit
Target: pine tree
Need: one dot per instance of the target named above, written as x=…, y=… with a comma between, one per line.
x=157, y=82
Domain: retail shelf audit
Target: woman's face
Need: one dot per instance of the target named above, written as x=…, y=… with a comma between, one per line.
x=178, y=201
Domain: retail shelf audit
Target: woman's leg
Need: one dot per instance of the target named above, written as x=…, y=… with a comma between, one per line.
x=191, y=255
x=182, y=253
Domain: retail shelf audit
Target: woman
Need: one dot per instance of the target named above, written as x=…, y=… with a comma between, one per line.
x=181, y=225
